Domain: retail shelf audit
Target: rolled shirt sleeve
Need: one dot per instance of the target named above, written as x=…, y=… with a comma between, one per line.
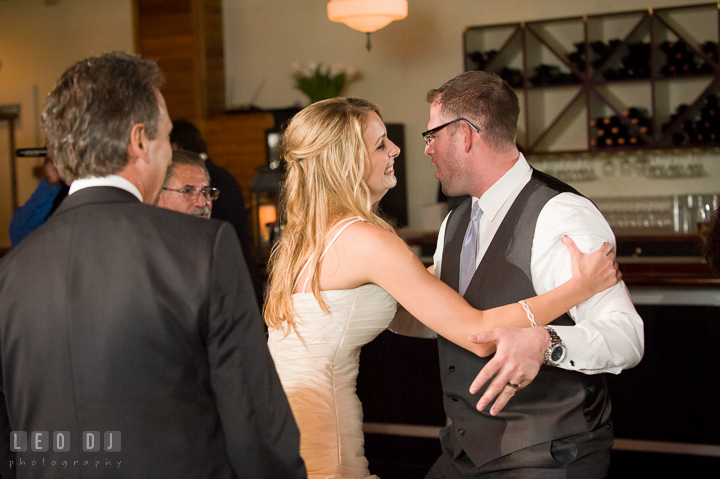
x=608, y=334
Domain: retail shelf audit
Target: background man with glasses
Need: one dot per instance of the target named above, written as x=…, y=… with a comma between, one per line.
x=187, y=186
x=503, y=244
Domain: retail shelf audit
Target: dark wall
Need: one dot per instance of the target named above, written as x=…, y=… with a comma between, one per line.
x=394, y=204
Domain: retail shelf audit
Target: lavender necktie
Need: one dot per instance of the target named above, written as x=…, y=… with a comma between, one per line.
x=468, y=254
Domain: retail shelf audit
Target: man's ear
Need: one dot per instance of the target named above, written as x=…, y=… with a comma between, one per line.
x=137, y=146
x=467, y=132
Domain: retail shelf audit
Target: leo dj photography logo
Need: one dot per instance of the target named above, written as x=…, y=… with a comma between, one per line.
x=40, y=441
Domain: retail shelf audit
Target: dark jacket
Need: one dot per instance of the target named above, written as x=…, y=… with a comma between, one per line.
x=118, y=316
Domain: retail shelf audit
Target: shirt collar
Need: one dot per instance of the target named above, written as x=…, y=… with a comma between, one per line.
x=110, y=180
x=495, y=197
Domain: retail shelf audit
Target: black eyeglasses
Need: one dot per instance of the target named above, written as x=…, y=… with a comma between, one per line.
x=190, y=193
x=429, y=135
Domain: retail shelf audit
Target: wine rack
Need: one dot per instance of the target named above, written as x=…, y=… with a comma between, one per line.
x=613, y=82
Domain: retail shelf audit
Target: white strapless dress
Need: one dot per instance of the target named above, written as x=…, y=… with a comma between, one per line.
x=319, y=377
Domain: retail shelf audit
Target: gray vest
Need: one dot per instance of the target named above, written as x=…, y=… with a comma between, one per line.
x=558, y=403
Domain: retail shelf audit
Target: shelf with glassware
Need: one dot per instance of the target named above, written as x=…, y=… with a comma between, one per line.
x=660, y=192
x=621, y=81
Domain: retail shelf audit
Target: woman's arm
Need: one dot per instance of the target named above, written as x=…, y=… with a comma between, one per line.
x=384, y=259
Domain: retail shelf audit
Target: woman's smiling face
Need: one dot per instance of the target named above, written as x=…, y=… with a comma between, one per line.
x=381, y=175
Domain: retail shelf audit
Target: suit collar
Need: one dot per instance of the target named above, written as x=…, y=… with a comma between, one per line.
x=110, y=180
x=96, y=195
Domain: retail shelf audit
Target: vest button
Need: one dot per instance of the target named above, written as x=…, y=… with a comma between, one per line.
x=451, y=369
x=454, y=398
x=461, y=432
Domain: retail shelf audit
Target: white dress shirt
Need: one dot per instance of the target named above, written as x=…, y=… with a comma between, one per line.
x=608, y=334
x=110, y=180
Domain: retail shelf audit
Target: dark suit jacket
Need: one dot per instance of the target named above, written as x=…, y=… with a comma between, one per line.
x=118, y=316
x=230, y=207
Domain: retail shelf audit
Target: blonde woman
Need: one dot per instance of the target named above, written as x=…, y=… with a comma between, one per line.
x=340, y=270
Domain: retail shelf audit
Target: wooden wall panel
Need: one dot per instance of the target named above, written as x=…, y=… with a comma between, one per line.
x=237, y=143
x=185, y=38
x=210, y=56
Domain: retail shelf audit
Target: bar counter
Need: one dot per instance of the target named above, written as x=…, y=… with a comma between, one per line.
x=645, y=260
x=664, y=260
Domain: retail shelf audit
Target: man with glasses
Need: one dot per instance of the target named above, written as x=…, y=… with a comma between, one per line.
x=187, y=186
x=552, y=413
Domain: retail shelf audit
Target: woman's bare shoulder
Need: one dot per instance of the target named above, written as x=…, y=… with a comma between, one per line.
x=375, y=245
x=372, y=235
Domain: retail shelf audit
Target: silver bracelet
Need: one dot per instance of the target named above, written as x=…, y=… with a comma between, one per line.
x=530, y=316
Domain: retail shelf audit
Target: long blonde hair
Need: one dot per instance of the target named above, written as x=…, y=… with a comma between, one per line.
x=326, y=160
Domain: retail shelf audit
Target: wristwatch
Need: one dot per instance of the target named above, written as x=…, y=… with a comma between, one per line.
x=556, y=352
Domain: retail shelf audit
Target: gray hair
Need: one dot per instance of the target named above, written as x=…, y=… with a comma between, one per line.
x=92, y=109
x=184, y=157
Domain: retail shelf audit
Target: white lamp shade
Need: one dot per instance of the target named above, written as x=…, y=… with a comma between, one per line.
x=367, y=15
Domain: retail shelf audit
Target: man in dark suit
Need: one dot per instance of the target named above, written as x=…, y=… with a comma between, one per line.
x=130, y=342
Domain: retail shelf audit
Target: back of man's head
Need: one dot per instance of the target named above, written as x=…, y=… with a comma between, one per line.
x=187, y=137
x=91, y=111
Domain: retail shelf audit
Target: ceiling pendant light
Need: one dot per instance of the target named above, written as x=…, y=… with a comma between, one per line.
x=367, y=15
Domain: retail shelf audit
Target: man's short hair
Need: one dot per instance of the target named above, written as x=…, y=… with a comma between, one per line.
x=184, y=157
x=91, y=111
x=187, y=136
x=486, y=100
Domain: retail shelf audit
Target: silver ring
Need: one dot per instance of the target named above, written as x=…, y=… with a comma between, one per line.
x=514, y=386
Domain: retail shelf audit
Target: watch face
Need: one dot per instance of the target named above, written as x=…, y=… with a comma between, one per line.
x=557, y=354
